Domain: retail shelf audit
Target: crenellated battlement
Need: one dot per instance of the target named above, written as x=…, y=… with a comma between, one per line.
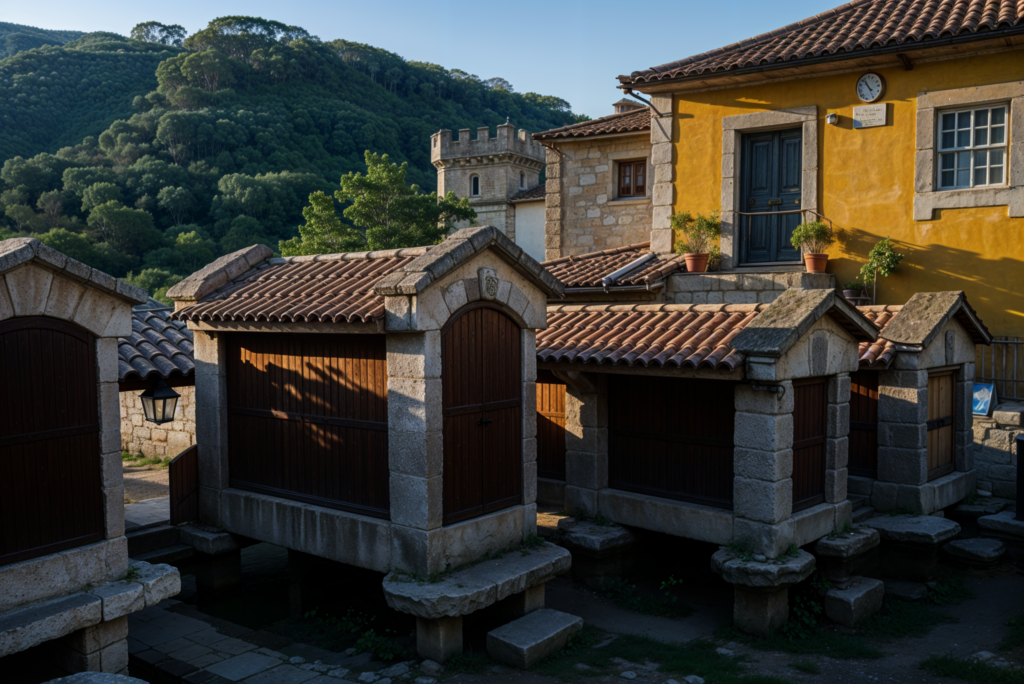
x=507, y=141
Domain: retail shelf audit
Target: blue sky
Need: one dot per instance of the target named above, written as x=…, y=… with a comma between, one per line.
x=570, y=48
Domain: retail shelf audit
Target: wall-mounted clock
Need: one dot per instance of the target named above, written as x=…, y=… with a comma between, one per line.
x=870, y=87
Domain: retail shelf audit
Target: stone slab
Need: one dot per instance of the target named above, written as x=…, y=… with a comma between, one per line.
x=524, y=642
x=159, y=582
x=978, y=551
x=96, y=678
x=922, y=530
x=208, y=540
x=28, y=627
x=592, y=538
x=850, y=545
x=856, y=603
x=1002, y=524
x=768, y=574
x=906, y=590
x=477, y=586
x=978, y=510
x=242, y=666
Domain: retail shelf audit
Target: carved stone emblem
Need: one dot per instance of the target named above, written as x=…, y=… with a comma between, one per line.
x=488, y=283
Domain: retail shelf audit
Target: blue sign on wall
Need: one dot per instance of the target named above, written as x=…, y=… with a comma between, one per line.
x=984, y=398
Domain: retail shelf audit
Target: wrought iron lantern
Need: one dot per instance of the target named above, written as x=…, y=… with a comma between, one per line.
x=159, y=403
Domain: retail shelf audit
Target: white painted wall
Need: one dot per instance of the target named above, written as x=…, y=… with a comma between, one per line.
x=530, y=228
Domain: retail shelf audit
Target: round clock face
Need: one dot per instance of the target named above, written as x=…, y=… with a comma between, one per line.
x=870, y=87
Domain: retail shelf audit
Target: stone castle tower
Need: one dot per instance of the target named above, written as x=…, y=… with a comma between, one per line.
x=489, y=171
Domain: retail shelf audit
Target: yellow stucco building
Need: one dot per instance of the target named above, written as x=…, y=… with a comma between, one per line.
x=888, y=118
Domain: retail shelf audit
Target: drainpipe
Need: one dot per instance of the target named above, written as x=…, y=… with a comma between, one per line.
x=629, y=91
x=612, y=277
x=1020, y=480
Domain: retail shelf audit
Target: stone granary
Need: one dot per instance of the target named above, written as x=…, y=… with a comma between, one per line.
x=157, y=350
x=63, y=553
x=377, y=409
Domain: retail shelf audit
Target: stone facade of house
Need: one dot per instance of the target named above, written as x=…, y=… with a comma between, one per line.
x=584, y=213
x=169, y=439
x=995, y=450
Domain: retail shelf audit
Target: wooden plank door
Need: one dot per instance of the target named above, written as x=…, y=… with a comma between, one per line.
x=50, y=487
x=864, y=424
x=550, y=426
x=482, y=405
x=771, y=174
x=809, y=423
x=941, y=404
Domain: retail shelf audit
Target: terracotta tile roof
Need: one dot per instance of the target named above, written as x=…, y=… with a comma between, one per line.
x=853, y=30
x=649, y=335
x=588, y=270
x=157, y=348
x=538, y=192
x=624, y=122
x=880, y=353
x=328, y=288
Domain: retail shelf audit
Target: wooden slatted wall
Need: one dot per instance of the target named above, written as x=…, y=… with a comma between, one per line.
x=864, y=423
x=941, y=404
x=810, y=398
x=550, y=426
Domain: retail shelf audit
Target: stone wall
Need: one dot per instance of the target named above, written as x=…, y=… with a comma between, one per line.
x=741, y=288
x=584, y=213
x=995, y=450
x=169, y=439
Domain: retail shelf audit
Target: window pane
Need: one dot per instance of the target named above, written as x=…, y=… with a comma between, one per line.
x=995, y=157
x=981, y=136
x=963, y=160
x=963, y=178
x=980, y=118
x=997, y=135
x=948, y=161
x=947, y=179
x=979, y=177
x=995, y=175
x=963, y=138
x=948, y=122
x=948, y=140
x=981, y=158
x=998, y=115
x=963, y=120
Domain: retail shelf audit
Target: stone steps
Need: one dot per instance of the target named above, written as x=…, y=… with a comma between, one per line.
x=858, y=501
x=167, y=554
x=863, y=514
x=524, y=642
x=151, y=539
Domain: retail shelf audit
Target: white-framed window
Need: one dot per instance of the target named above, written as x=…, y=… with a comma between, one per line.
x=474, y=186
x=972, y=147
x=522, y=180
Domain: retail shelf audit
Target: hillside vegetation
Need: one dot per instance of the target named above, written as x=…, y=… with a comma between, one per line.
x=155, y=154
x=15, y=38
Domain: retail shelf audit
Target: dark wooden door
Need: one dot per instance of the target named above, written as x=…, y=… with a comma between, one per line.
x=809, y=422
x=482, y=401
x=550, y=426
x=941, y=403
x=771, y=167
x=50, y=486
x=307, y=419
x=671, y=437
x=864, y=423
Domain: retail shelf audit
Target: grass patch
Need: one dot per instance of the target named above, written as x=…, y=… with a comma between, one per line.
x=136, y=460
x=352, y=630
x=806, y=666
x=1015, y=639
x=662, y=603
x=467, y=663
x=695, y=657
x=971, y=671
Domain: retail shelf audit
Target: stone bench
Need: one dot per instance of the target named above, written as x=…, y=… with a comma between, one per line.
x=439, y=606
x=526, y=641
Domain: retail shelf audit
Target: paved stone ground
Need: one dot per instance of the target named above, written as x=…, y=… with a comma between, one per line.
x=144, y=482
x=148, y=512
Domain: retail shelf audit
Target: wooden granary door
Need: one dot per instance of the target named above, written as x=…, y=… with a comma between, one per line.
x=482, y=404
x=864, y=423
x=941, y=403
x=550, y=426
x=307, y=419
x=810, y=397
x=50, y=486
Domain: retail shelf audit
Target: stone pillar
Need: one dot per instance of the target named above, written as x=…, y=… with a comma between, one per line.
x=761, y=602
x=100, y=648
x=902, y=437
x=440, y=638
x=529, y=432
x=837, y=448
x=211, y=402
x=964, y=416
x=663, y=159
x=763, y=468
x=553, y=206
x=586, y=443
x=216, y=575
x=110, y=437
x=415, y=445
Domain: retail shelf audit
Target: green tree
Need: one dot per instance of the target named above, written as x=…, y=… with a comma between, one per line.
x=178, y=203
x=163, y=34
x=208, y=70
x=129, y=232
x=323, y=232
x=155, y=281
x=100, y=193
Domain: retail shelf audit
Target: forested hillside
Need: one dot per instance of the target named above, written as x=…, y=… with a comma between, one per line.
x=15, y=38
x=135, y=154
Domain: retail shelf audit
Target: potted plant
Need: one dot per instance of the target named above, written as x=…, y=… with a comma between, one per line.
x=698, y=236
x=853, y=289
x=813, y=238
x=882, y=260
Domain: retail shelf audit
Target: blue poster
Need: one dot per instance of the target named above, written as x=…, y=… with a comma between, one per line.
x=984, y=398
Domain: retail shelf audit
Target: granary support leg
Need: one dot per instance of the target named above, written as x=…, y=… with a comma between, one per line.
x=586, y=441
x=902, y=438
x=100, y=648
x=217, y=574
x=439, y=638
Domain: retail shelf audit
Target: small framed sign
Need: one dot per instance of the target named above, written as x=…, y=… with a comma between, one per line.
x=870, y=116
x=984, y=398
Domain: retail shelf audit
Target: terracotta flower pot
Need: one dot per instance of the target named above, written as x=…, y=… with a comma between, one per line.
x=696, y=263
x=815, y=263
x=850, y=294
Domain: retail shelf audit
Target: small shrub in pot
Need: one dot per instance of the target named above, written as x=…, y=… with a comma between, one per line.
x=699, y=235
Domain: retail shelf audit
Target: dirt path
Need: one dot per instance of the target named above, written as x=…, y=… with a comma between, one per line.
x=144, y=482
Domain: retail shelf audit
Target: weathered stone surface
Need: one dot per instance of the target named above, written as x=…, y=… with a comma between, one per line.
x=592, y=538
x=850, y=545
x=208, y=540
x=1002, y=524
x=854, y=604
x=475, y=587
x=96, y=678
x=158, y=582
x=978, y=510
x=770, y=574
x=759, y=611
x=906, y=590
x=924, y=530
x=120, y=599
x=47, y=621
x=975, y=551
x=524, y=642
x=440, y=638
